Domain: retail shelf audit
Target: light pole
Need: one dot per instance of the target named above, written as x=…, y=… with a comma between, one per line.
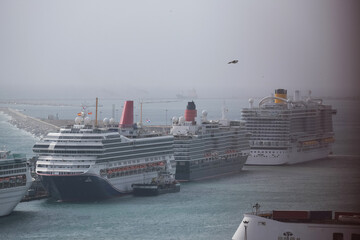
x=166, y=117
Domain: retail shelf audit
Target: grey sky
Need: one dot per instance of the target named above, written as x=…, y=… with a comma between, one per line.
x=159, y=48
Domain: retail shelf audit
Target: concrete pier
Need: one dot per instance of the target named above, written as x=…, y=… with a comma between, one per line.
x=40, y=127
x=30, y=124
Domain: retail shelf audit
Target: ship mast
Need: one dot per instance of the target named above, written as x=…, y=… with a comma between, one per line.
x=96, y=113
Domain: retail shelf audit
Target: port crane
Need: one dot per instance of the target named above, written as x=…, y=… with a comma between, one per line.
x=149, y=102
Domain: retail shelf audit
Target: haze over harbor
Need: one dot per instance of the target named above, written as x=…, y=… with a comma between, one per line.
x=144, y=49
x=58, y=56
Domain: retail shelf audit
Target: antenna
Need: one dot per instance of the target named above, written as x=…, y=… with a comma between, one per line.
x=224, y=111
x=96, y=113
x=141, y=112
x=147, y=102
x=257, y=207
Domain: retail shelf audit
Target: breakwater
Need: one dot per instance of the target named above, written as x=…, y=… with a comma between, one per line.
x=40, y=127
x=30, y=124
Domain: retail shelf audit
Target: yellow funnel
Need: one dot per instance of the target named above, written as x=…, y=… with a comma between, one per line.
x=281, y=93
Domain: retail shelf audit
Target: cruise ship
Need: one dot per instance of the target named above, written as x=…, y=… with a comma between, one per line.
x=210, y=148
x=288, y=131
x=15, y=180
x=84, y=162
x=299, y=225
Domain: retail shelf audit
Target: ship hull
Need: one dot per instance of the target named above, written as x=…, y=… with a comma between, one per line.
x=91, y=187
x=185, y=172
x=79, y=188
x=10, y=197
x=283, y=157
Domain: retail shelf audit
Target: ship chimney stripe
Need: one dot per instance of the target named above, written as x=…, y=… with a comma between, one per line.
x=127, y=117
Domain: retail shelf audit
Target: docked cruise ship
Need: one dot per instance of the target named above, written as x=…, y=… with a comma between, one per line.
x=82, y=162
x=288, y=131
x=299, y=225
x=210, y=148
x=15, y=180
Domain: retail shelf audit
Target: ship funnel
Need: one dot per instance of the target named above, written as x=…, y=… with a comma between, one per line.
x=127, y=117
x=190, y=112
x=281, y=93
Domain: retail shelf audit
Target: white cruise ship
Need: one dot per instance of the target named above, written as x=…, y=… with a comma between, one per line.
x=288, y=131
x=210, y=148
x=299, y=225
x=15, y=180
x=82, y=162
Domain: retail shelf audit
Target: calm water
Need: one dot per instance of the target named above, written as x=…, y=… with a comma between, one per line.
x=202, y=210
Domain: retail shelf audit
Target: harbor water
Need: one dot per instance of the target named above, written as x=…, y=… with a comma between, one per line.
x=210, y=209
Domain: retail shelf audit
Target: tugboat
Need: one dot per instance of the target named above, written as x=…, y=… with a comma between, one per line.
x=164, y=183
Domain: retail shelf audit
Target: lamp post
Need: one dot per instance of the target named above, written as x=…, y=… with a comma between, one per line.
x=166, y=117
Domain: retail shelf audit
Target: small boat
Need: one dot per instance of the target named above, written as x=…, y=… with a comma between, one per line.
x=298, y=225
x=164, y=183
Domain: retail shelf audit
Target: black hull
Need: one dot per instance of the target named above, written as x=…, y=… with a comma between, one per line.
x=186, y=172
x=144, y=190
x=79, y=188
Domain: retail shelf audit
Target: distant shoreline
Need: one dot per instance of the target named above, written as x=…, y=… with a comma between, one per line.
x=57, y=102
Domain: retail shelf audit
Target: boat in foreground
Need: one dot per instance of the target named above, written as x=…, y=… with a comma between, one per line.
x=164, y=183
x=83, y=162
x=15, y=180
x=288, y=130
x=210, y=148
x=299, y=225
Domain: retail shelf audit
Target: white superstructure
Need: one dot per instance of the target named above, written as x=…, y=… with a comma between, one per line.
x=288, y=131
x=15, y=180
x=82, y=162
x=299, y=225
x=210, y=148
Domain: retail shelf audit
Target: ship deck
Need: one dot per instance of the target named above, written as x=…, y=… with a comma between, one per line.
x=313, y=217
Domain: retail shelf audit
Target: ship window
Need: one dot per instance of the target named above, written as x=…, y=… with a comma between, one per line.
x=355, y=236
x=338, y=236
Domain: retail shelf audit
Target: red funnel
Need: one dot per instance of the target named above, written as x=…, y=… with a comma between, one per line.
x=127, y=117
x=190, y=112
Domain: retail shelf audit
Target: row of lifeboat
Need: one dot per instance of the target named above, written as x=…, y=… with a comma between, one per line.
x=133, y=167
x=315, y=142
x=18, y=180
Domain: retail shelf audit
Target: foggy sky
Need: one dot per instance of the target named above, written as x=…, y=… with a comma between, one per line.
x=160, y=48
